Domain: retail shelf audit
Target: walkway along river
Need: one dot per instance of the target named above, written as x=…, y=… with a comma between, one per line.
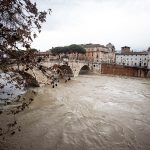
x=88, y=113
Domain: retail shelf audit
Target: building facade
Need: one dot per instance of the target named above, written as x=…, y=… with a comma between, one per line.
x=133, y=59
x=125, y=49
x=148, y=58
x=97, y=53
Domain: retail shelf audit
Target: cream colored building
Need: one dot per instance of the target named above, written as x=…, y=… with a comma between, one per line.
x=148, y=58
x=133, y=59
x=97, y=53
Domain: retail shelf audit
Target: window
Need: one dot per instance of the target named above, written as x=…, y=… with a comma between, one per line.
x=135, y=64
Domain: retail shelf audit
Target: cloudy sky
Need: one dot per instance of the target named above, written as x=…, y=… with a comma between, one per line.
x=121, y=22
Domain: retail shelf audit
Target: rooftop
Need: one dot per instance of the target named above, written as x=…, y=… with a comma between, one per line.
x=133, y=53
x=90, y=45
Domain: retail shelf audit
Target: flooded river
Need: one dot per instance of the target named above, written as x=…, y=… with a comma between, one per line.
x=87, y=113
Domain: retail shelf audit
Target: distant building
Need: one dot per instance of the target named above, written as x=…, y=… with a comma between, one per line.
x=133, y=59
x=97, y=53
x=47, y=56
x=111, y=47
x=148, y=58
x=125, y=49
x=42, y=54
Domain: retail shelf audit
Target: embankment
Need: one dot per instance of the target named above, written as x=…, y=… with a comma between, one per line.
x=120, y=70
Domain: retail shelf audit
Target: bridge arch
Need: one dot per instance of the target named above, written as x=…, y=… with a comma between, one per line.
x=67, y=70
x=80, y=69
x=84, y=69
x=75, y=71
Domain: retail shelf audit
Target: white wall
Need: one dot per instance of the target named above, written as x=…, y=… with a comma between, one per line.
x=132, y=60
x=149, y=60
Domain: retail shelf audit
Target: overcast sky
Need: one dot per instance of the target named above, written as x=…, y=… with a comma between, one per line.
x=121, y=22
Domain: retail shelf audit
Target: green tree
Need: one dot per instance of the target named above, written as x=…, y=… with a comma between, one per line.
x=68, y=49
x=77, y=49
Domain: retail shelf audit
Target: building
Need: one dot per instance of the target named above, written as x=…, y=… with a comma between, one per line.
x=133, y=59
x=125, y=49
x=97, y=53
x=148, y=58
x=46, y=56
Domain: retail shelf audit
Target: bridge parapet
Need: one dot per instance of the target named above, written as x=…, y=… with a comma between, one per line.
x=75, y=65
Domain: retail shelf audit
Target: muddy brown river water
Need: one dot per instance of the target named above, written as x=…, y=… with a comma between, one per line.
x=88, y=113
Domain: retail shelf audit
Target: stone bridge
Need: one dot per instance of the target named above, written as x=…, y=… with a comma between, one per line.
x=75, y=67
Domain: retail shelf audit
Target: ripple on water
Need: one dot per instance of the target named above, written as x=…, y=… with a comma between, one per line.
x=97, y=113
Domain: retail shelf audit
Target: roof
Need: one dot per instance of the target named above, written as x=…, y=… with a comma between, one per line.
x=90, y=45
x=125, y=47
x=133, y=53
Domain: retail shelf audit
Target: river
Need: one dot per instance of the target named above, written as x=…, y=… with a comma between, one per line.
x=87, y=113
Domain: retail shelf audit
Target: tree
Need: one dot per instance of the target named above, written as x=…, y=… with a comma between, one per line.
x=77, y=49
x=33, y=50
x=19, y=20
x=68, y=49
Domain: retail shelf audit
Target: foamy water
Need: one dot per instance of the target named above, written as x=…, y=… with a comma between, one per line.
x=88, y=113
x=11, y=89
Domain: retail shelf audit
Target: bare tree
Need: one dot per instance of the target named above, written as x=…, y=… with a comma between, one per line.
x=19, y=20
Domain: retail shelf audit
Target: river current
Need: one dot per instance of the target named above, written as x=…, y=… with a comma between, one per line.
x=87, y=113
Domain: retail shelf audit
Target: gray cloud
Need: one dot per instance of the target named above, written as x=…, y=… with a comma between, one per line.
x=122, y=22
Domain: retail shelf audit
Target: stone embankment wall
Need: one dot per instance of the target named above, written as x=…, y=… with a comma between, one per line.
x=124, y=70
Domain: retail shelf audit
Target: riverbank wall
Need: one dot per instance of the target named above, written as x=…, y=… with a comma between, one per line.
x=120, y=70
